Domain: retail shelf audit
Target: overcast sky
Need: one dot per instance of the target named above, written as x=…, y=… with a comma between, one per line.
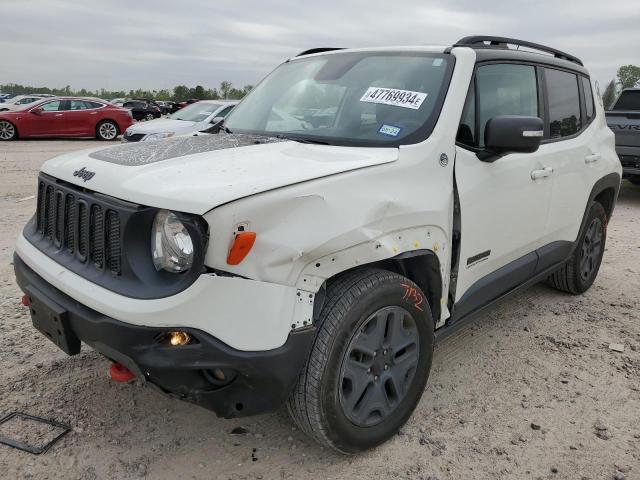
x=154, y=44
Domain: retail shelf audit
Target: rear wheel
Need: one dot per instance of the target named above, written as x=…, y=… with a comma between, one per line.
x=107, y=130
x=149, y=116
x=369, y=363
x=579, y=273
x=7, y=131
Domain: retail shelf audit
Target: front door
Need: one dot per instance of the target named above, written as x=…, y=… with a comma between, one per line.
x=503, y=204
x=50, y=120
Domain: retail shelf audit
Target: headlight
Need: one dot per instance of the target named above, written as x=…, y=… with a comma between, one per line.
x=158, y=136
x=171, y=244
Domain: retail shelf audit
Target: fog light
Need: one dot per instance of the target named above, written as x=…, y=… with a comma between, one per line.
x=178, y=339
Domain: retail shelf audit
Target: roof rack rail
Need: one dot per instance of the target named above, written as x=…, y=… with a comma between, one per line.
x=486, y=41
x=319, y=50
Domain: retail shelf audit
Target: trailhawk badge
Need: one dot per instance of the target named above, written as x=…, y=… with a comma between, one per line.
x=84, y=174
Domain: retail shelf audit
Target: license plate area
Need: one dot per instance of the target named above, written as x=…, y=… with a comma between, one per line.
x=52, y=321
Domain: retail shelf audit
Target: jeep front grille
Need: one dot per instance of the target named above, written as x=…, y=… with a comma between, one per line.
x=87, y=229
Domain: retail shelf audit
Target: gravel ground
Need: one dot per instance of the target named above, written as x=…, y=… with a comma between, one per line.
x=529, y=390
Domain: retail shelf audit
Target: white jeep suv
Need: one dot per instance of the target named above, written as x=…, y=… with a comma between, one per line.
x=358, y=205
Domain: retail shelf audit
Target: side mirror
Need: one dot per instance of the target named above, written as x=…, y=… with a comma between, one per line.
x=36, y=111
x=216, y=120
x=512, y=134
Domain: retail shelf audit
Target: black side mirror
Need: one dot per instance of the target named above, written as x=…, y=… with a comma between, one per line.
x=36, y=111
x=216, y=120
x=512, y=134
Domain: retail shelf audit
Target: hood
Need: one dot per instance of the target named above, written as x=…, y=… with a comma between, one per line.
x=162, y=125
x=195, y=174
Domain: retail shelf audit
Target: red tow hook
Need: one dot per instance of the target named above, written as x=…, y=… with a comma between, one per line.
x=120, y=373
x=25, y=301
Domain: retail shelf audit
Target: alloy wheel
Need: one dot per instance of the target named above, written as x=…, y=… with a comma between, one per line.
x=7, y=131
x=591, y=249
x=379, y=366
x=108, y=131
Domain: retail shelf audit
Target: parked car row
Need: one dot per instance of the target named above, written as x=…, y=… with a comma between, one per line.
x=33, y=116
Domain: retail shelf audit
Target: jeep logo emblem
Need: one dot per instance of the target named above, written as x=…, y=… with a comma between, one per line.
x=84, y=174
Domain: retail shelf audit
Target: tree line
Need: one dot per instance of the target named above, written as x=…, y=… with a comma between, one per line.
x=179, y=93
x=628, y=76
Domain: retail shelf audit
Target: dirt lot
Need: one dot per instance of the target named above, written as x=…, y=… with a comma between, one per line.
x=530, y=390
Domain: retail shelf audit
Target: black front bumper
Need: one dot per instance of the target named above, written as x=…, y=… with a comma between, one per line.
x=261, y=381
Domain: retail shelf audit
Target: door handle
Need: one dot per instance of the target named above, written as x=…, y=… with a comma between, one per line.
x=58, y=114
x=594, y=157
x=93, y=113
x=543, y=173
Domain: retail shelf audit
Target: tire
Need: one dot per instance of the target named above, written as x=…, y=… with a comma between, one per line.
x=635, y=179
x=8, y=131
x=329, y=401
x=107, y=130
x=149, y=116
x=581, y=270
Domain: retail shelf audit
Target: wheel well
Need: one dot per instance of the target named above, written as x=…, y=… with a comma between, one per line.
x=421, y=267
x=606, y=198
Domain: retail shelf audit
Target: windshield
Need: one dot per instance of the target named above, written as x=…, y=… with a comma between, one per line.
x=196, y=112
x=372, y=98
x=629, y=100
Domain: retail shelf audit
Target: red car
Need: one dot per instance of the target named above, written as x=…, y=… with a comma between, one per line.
x=65, y=117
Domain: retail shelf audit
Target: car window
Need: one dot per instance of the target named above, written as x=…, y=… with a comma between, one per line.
x=79, y=105
x=225, y=111
x=588, y=99
x=24, y=101
x=505, y=89
x=93, y=104
x=628, y=100
x=51, y=106
x=564, y=103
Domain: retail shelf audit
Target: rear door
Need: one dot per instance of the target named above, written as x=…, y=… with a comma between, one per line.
x=503, y=211
x=572, y=148
x=82, y=117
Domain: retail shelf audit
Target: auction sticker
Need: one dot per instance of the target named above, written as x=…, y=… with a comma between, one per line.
x=394, y=97
x=390, y=130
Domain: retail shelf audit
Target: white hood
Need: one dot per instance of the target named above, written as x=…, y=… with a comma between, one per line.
x=196, y=174
x=160, y=125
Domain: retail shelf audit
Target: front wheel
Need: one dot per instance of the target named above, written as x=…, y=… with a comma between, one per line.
x=579, y=273
x=7, y=131
x=149, y=116
x=107, y=130
x=369, y=364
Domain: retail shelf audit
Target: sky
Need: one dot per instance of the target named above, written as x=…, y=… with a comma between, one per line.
x=154, y=44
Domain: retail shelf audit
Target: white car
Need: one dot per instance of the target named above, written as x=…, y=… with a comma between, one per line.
x=18, y=102
x=191, y=119
x=316, y=267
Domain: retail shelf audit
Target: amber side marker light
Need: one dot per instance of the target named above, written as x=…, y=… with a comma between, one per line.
x=242, y=245
x=178, y=339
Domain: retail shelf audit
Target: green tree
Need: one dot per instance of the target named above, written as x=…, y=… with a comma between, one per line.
x=609, y=95
x=225, y=89
x=628, y=76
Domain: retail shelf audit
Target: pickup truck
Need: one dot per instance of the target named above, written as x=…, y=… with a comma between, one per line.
x=624, y=120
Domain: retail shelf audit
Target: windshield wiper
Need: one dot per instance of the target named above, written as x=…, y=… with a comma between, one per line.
x=303, y=140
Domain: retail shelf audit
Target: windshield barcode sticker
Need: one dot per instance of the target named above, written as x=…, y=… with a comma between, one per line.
x=394, y=97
